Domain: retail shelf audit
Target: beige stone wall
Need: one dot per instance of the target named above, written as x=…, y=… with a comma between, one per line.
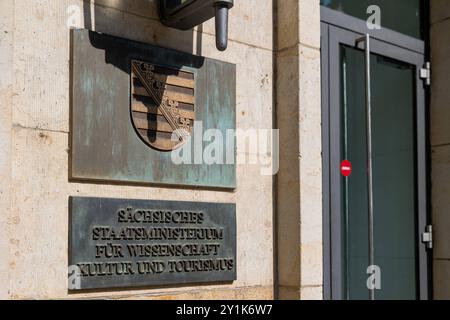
x=440, y=145
x=299, y=183
x=6, y=80
x=34, y=133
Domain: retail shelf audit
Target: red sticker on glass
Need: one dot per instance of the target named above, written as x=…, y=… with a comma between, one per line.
x=346, y=168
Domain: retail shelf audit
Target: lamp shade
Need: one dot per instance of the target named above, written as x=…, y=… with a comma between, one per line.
x=186, y=14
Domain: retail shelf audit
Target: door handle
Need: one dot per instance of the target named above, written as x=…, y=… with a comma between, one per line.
x=366, y=40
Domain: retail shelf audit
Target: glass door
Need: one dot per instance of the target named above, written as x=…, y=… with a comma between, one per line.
x=394, y=177
x=399, y=168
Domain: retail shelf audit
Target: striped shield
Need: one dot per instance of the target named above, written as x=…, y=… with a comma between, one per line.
x=162, y=104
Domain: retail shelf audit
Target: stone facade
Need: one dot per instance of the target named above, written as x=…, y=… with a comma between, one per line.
x=440, y=146
x=271, y=54
x=35, y=132
x=299, y=182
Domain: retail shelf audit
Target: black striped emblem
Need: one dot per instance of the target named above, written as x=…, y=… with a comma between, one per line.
x=162, y=104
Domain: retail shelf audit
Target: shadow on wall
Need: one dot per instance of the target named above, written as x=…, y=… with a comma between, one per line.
x=138, y=20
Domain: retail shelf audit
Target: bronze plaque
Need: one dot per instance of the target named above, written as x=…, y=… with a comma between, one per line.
x=162, y=104
x=129, y=99
x=124, y=243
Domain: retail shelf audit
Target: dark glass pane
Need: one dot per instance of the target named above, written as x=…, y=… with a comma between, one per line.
x=404, y=16
x=394, y=178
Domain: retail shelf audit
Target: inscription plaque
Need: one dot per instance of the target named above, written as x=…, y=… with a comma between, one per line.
x=118, y=243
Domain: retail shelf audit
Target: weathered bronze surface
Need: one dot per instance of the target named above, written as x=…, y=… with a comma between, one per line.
x=162, y=104
x=117, y=133
x=118, y=243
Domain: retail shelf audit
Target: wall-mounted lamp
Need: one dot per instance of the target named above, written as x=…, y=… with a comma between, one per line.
x=186, y=14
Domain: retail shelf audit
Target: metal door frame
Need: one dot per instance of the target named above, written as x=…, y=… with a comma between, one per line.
x=336, y=29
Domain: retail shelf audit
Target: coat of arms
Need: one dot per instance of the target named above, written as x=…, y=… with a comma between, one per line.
x=162, y=104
